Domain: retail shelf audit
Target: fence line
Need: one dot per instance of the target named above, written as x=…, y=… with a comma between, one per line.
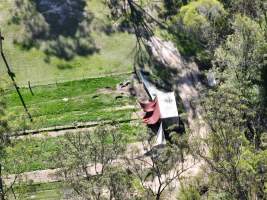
x=72, y=126
x=62, y=80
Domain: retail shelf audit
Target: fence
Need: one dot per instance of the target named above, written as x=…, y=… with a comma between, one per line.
x=6, y=84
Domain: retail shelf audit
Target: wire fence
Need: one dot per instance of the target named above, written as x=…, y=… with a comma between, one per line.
x=73, y=126
x=28, y=83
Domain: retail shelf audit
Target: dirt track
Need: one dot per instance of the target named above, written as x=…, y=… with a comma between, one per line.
x=185, y=81
x=62, y=130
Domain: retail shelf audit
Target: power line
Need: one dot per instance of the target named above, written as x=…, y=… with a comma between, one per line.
x=12, y=77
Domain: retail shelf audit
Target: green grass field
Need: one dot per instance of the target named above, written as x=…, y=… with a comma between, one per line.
x=86, y=101
x=115, y=53
x=32, y=154
x=44, y=191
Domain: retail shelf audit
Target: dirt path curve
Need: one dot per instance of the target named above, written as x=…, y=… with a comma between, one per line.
x=52, y=175
x=185, y=80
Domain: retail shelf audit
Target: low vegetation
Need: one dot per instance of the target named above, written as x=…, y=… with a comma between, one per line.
x=31, y=154
x=67, y=103
x=44, y=191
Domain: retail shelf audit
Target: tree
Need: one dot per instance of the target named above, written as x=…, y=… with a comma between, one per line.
x=162, y=166
x=236, y=114
x=171, y=7
x=91, y=166
x=200, y=25
x=240, y=64
x=253, y=9
x=235, y=165
x=225, y=142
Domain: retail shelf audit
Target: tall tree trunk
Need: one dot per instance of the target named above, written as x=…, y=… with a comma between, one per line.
x=158, y=193
x=158, y=196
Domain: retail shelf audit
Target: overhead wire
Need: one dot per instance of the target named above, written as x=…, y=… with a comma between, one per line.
x=12, y=77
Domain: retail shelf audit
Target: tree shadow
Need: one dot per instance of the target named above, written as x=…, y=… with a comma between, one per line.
x=61, y=27
x=64, y=66
x=62, y=16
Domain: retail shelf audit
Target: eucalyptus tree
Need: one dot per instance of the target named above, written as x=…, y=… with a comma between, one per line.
x=236, y=113
x=162, y=167
x=91, y=166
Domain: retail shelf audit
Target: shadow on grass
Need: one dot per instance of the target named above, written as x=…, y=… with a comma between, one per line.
x=64, y=66
x=62, y=28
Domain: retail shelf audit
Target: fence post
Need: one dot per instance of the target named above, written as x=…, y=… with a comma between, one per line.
x=30, y=88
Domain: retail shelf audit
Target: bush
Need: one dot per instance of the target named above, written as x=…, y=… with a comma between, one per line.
x=189, y=193
x=200, y=14
x=200, y=25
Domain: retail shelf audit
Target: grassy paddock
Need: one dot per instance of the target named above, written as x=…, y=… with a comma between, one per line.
x=32, y=154
x=85, y=102
x=44, y=191
x=115, y=53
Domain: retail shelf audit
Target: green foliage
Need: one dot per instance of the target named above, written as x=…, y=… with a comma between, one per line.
x=226, y=143
x=236, y=113
x=199, y=27
x=3, y=122
x=240, y=65
x=162, y=163
x=64, y=47
x=254, y=9
x=202, y=19
x=187, y=46
x=171, y=7
x=35, y=26
x=86, y=161
x=189, y=193
x=4, y=142
x=202, y=13
x=244, y=49
x=31, y=154
x=120, y=183
x=43, y=191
